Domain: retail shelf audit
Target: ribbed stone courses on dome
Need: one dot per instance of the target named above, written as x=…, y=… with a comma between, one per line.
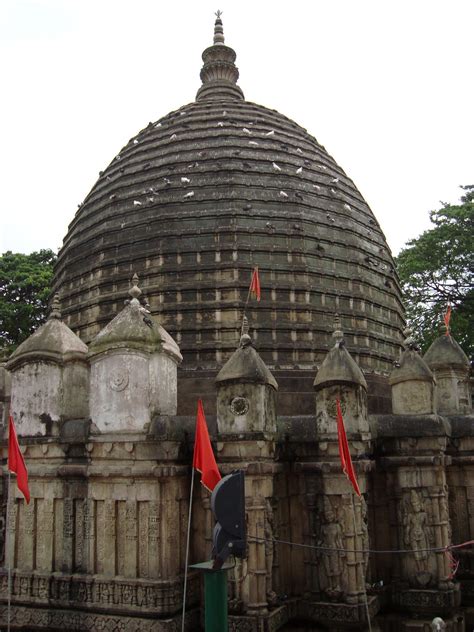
x=198, y=198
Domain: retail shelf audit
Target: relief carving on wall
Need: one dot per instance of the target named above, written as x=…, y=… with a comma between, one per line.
x=417, y=536
x=332, y=562
x=270, y=550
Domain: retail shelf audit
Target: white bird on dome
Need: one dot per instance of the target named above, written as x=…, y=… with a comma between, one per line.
x=137, y=203
x=246, y=131
x=283, y=194
x=253, y=142
x=346, y=206
x=270, y=133
x=299, y=170
x=335, y=180
x=275, y=166
x=299, y=150
x=184, y=179
x=173, y=137
x=220, y=124
x=189, y=195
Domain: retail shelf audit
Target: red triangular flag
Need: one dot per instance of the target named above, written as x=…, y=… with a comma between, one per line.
x=255, y=284
x=203, y=460
x=447, y=318
x=16, y=462
x=344, y=451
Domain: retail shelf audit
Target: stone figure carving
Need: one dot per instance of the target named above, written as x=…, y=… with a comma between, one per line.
x=239, y=582
x=418, y=537
x=331, y=562
x=269, y=550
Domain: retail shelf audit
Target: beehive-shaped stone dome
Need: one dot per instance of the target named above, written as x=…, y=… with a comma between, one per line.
x=197, y=199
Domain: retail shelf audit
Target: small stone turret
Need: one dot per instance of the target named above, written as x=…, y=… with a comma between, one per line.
x=133, y=370
x=50, y=378
x=339, y=377
x=412, y=382
x=450, y=367
x=246, y=392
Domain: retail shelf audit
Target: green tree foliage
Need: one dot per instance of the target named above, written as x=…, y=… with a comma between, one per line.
x=25, y=286
x=437, y=268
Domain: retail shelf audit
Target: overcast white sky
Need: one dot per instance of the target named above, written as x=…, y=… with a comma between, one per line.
x=386, y=86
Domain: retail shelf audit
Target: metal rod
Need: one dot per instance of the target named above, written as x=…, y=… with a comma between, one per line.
x=187, y=550
x=363, y=576
x=7, y=552
x=247, y=301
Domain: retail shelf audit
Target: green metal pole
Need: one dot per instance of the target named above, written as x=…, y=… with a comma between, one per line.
x=215, y=593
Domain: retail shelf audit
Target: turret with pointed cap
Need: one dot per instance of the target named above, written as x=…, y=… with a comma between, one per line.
x=133, y=369
x=246, y=392
x=339, y=377
x=450, y=366
x=219, y=74
x=412, y=381
x=50, y=377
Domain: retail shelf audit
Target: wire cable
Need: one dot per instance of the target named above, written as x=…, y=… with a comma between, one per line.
x=329, y=549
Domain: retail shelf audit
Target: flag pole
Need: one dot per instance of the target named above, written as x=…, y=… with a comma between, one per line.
x=363, y=576
x=187, y=549
x=244, y=312
x=7, y=552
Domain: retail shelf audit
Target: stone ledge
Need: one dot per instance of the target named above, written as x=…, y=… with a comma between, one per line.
x=98, y=593
x=338, y=613
x=80, y=621
x=437, y=602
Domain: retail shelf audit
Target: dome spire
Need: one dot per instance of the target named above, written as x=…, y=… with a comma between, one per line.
x=218, y=29
x=219, y=73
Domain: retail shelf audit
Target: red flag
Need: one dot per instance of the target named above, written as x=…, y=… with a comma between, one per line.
x=203, y=460
x=255, y=284
x=344, y=451
x=16, y=462
x=447, y=318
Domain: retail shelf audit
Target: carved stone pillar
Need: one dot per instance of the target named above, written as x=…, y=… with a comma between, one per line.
x=337, y=516
x=246, y=423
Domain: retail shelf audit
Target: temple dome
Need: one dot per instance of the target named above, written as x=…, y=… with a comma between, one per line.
x=197, y=199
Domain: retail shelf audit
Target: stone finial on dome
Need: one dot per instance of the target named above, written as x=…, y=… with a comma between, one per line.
x=135, y=291
x=55, y=308
x=410, y=342
x=219, y=73
x=218, y=29
x=338, y=334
